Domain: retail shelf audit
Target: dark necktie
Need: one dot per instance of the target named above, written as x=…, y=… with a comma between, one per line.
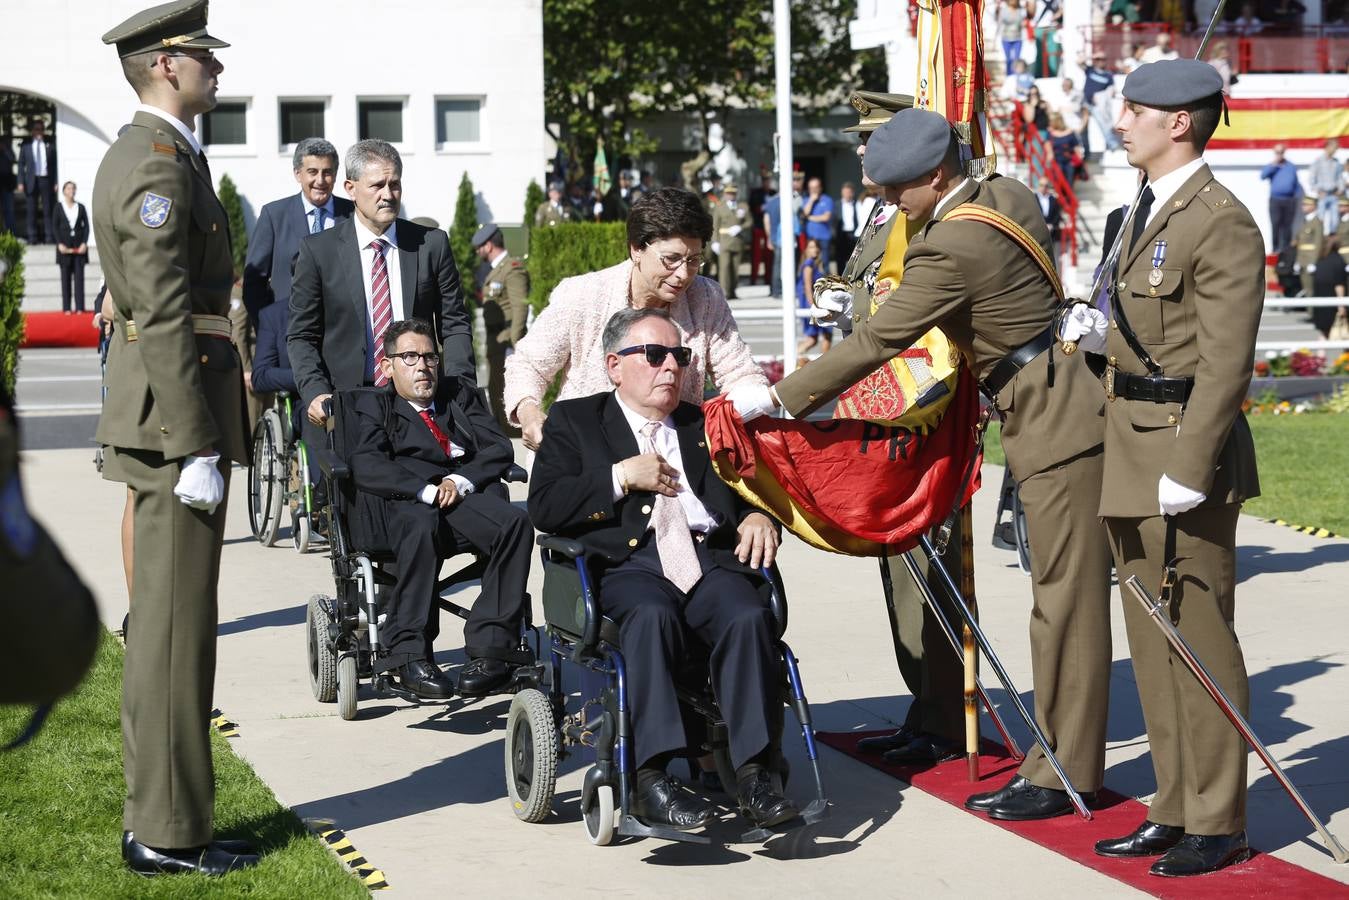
x=441, y=437
x=201, y=154
x=1141, y=217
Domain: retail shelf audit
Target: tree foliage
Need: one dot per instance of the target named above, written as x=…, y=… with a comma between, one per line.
x=461, y=235
x=534, y=196
x=11, y=318
x=608, y=63
x=234, y=212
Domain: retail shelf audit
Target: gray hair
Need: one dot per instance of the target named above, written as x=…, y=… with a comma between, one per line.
x=621, y=322
x=314, y=146
x=363, y=152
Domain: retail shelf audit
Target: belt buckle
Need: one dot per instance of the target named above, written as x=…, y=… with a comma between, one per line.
x=1110, y=382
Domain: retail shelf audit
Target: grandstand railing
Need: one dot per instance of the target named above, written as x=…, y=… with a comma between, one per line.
x=1314, y=50
x=1008, y=124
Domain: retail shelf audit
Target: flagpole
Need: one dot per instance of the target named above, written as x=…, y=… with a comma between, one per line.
x=786, y=261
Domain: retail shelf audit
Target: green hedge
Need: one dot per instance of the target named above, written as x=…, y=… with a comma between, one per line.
x=560, y=251
x=11, y=319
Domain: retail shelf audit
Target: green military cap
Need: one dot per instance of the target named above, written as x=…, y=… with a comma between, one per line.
x=484, y=234
x=875, y=109
x=169, y=26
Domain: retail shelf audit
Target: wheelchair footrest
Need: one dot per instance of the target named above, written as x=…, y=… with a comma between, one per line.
x=817, y=811
x=386, y=688
x=522, y=678
x=629, y=826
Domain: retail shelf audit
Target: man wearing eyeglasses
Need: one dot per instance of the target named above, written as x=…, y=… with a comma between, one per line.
x=427, y=451
x=627, y=474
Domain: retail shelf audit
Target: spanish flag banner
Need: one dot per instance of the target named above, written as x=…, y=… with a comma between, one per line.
x=1258, y=123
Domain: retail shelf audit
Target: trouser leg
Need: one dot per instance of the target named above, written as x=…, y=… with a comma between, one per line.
x=67, y=270
x=1199, y=759
x=503, y=532
x=169, y=671
x=78, y=262
x=496, y=383
x=726, y=273
x=412, y=528
x=1070, y=620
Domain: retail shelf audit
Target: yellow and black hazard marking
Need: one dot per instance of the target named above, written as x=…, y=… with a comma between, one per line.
x=223, y=725
x=1309, y=530
x=340, y=844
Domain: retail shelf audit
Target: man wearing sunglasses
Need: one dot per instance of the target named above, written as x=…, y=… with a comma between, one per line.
x=627, y=473
x=427, y=461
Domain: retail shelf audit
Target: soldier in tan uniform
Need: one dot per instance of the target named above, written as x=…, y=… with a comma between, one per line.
x=1185, y=308
x=555, y=210
x=997, y=305
x=505, y=310
x=173, y=421
x=1342, y=233
x=1311, y=244
x=730, y=224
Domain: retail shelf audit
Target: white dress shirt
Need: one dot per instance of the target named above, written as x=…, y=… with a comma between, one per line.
x=946, y=201
x=428, y=494
x=39, y=157
x=363, y=238
x=72, y=212
x=864, y=208
x=667, y=445
x=327, y=214
x=1164, y=188
x=177, y=123
x=848, y=216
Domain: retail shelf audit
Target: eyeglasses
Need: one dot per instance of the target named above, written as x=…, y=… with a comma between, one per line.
x=655, y=353
x=673, y=262
x=206, y=56
x=410, y=358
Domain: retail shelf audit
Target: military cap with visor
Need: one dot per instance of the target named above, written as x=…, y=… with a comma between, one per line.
x=911, y=145
x=484, y=234
x=168, y=27
x=874, y=109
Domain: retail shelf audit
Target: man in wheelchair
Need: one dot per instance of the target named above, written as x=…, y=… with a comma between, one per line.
x=628, y=475
x=426, y=460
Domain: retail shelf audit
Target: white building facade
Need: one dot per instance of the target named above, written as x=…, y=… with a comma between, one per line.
x=456, y=86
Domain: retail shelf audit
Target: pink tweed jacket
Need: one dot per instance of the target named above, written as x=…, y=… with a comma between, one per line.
x=566, y=338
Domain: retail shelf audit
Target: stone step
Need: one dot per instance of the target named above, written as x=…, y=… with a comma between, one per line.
x=42, y=278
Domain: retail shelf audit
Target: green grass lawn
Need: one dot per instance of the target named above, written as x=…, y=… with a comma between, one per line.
x=1304, y=468
x=61, y=812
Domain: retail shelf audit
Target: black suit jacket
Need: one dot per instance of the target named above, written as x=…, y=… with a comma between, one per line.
x=1053, y=218
x=28, y=164
x=571, y=484
x=328, y=318
x=62, y=232
x=394, y=455
x=282, y=225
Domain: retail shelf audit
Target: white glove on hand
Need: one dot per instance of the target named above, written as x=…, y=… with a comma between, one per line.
x=200, y=485
x=1176, y=498
x=751, y=401
x=1085, y=324
x=832, y=305
x=733, y=231
x=1311, y=268
x=716, y=248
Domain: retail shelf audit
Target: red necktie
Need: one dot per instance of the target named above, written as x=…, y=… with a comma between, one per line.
x=381, y=305
x=441, y=437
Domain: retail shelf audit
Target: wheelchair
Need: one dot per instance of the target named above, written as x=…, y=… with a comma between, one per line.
x=540, y=732
x=278, y=477
x=1012, y=533
x=342, y=630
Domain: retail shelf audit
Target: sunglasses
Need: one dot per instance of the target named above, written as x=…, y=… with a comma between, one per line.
x=655, y=353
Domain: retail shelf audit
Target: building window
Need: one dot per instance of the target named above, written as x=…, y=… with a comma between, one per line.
x=458, y=121
x=226, y=124
x=381, y=119
x=301, y=119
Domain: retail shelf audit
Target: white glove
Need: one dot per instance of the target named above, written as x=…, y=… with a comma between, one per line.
x=752, y=400
x=200, y=484
x=716, y=248
x=1176, y=498
x=1086, y=325
x=831, y=306
x=733, y=231
x=1311, y=268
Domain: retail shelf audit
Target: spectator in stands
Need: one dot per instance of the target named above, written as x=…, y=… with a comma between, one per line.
x=1248, y=23
x=1285, y=14
x=849, y=224
x=1019, y=82
x=1327, y=183
x=1121, y=12
x=1221, y=61
x=1329, y=280
x=812, y=266
x=1073, y=109
x=1161, y=49
x=1048, y=43
x=1035, y=111
x=1051, y=209
x=817, y=215
x=1063, y=141
x=1284, y=191
x=1011, y=30
x=1098, y=93
x=1203, y=13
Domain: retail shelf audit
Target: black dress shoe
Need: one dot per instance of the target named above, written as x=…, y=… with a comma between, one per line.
x=1199, y=854
x=883, y=743
x=1030, y=802
x=663, y=803
x=1148, y=839
x=760, y=802
x=986, y=801
x=927, y=749
x=145, y=860
x=484, y=675
x=425, y=680
x=239, y=848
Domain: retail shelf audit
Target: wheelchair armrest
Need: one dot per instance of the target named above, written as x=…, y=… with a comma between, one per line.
x=566, y=546
x=516, y=474
x=331, y=465
x=777, y=598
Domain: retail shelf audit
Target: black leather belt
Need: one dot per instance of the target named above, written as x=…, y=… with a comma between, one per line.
x=1152, y=388
x=1014, y=362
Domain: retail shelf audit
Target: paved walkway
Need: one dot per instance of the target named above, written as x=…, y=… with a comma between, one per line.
x=421, y=793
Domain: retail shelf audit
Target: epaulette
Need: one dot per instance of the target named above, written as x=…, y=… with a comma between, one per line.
x=166, y=149
x=1215, y=196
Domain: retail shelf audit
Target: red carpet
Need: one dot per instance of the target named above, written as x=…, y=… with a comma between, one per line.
x=56, y=329
x=1114, y=815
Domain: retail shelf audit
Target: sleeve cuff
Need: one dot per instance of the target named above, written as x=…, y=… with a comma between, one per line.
x=427, y=495
x=463, y=484
x=617, y=481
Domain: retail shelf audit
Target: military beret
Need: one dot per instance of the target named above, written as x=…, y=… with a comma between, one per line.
x=909, y=146
x=557, y=186
x=169, y=26
x=875, y=109
x=484, y=234
x=1172, y=82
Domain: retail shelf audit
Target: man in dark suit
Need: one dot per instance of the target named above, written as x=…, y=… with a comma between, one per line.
x=355, y=279
x=271, y=364
x=37, y=176
x=8, y=182
x=283, y=223
x=421, y=460
x=1051, y=209
x=627, y=474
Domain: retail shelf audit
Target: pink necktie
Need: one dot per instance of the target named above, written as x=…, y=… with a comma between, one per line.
x=674, y=544
x=381, y=305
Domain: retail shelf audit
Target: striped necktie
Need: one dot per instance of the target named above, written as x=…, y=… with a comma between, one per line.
x=381, y=304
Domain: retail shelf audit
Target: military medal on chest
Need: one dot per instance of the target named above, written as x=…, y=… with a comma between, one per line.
x=1158, y=257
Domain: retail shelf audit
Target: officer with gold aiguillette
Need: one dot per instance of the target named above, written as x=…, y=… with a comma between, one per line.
x=172, y=423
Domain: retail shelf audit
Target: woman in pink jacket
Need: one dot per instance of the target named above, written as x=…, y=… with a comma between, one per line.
x=668, y=230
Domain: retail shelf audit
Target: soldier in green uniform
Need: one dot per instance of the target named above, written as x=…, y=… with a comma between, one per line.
x=555, y=210
x=1342, y=233
x=505, y=310
x=1311, y=244
x=730, y=224
x=172, y=422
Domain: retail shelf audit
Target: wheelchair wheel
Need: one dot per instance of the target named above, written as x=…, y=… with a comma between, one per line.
x=322, y=659
x=599, y=815
x=1021, y=532
x=531, y=755
x=300, y=531
x=266, y=479
x=346, y=687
